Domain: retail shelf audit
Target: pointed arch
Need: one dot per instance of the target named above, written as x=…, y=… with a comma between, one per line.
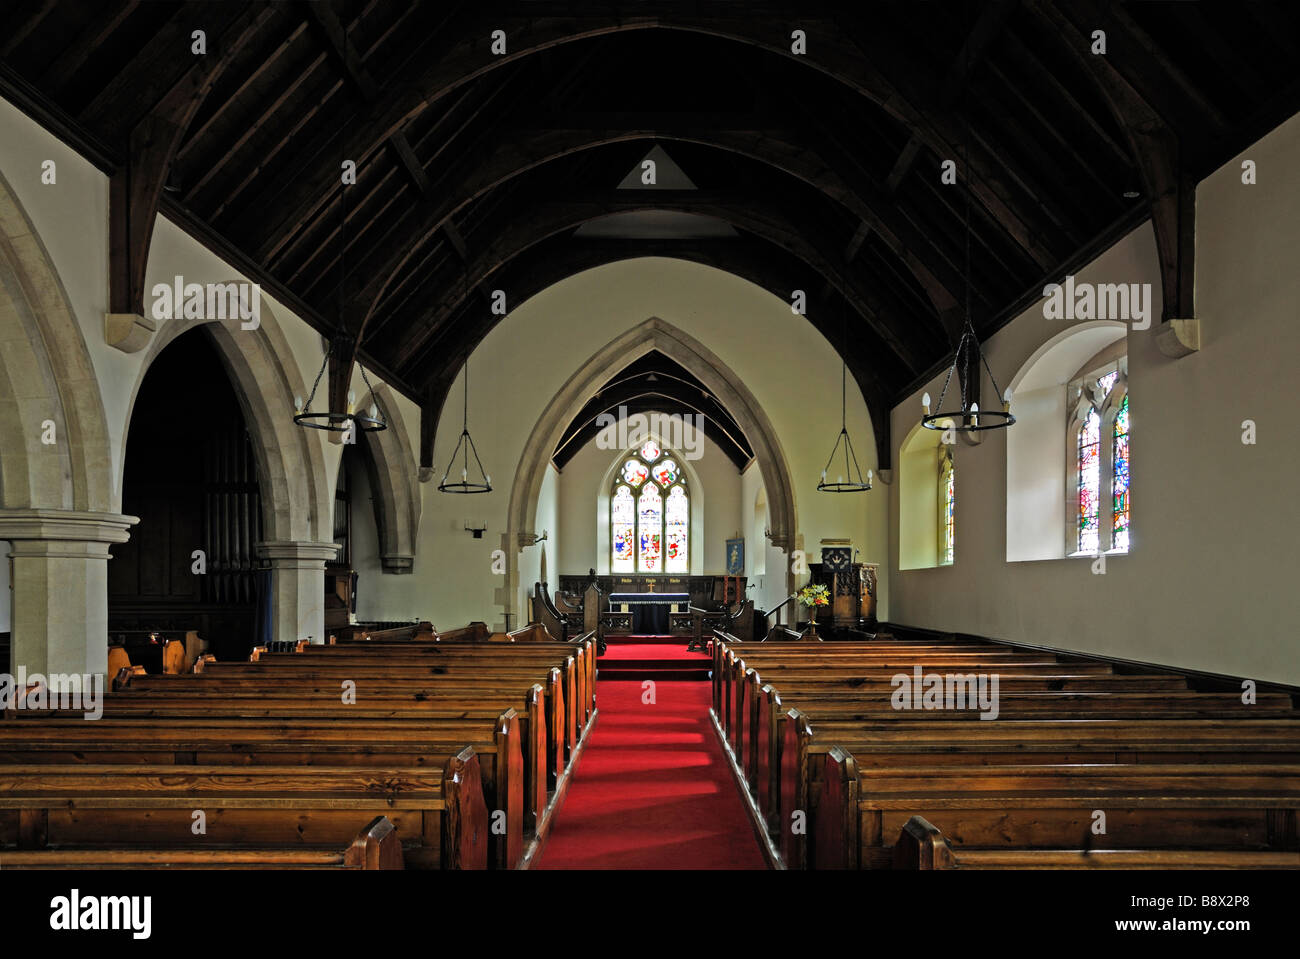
x=46, y=377
x=653, y=334
x=296, y=488
x=394, y=484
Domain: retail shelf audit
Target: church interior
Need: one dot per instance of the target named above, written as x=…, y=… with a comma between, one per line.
x=418, y=448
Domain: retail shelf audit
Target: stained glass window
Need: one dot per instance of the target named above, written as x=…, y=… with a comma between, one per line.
x=1107, y=382
x=949, y=502
x=650, y=526
x=635, y=472
x=1119, y=498
x=650, y=522
x=1089, y=482
x=677, y=518
x=665, y=472
x=622, y=530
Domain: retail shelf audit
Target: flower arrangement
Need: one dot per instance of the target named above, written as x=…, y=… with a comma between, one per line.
x=815, y=594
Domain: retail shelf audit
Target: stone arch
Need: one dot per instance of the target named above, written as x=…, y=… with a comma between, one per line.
x=394, y=484
x=46, y=375
x=701, y=362
x=296, y=488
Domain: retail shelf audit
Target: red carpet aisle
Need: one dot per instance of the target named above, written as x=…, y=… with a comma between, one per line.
x=652, y=790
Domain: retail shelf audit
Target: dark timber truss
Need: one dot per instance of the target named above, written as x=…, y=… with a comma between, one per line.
x=475, y=170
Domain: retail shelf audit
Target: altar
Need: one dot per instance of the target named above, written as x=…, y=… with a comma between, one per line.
x=649, y=610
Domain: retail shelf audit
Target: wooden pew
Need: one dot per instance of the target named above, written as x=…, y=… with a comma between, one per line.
x=433, y=661
x=847, y=696
x=439, y=814
x=377, y=846
x=544, y=725
x=1209, y=806
x=195, y=740
x=920, y=846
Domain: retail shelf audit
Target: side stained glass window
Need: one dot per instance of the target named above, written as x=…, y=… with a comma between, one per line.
x=948, y=497
x=650, y=514
x=1119, y=498
x=1089, y=482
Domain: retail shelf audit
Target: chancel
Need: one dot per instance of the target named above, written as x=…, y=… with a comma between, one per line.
x=1024, y=269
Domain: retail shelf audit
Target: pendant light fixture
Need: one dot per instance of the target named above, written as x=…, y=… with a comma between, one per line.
x=464, y=447
x=371, y=421
x=333, y=421
x=844, y=482
x=970, y=418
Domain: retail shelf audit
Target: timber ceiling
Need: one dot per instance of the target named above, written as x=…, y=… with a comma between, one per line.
x=476, y=170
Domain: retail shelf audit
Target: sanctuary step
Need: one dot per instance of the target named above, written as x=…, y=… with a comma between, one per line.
x=651, y=657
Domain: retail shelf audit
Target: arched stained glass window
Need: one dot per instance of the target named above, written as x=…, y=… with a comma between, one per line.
x=1102, y=463
x=622, y=517
x=1119, y=496
x=947, y=504
x=650, y=514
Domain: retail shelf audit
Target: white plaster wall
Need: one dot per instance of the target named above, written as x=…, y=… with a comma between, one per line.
x=1210, y=581
x=769, y=586
x=525, y=360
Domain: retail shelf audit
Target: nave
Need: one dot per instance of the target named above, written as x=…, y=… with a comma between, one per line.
x=418, y=454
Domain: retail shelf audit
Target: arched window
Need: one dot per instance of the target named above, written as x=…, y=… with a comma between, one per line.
x=947, y=500
x=650, y=514
x=1100, y=454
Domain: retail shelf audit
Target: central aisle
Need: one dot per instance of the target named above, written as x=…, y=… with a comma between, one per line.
x=652, y=789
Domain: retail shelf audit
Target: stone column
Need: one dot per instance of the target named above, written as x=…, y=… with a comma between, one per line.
x=60, y=586
x=297, y=588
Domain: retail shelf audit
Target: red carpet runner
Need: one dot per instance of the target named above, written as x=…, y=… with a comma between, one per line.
x=652, y=789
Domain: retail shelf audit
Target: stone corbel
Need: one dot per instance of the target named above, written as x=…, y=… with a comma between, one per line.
x=1177, y=338
x=128, y=332
x=426, y=474
x=885, y=476
x=397, y=563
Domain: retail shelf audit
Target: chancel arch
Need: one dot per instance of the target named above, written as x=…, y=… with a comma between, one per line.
x=704, y=365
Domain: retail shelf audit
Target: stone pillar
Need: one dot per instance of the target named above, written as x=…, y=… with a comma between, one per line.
x=60, y=586
x=297, y=588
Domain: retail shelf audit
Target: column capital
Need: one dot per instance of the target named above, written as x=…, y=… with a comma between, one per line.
x=19, y=525
x=296, y=550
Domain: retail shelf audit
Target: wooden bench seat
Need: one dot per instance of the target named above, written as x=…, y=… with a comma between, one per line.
x=345, y=741
x=542, y=705
x=1211, y=805
x=377, y=846
x=275, y=671
x=921, y=846
x=438, y=814
x=792, y=778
